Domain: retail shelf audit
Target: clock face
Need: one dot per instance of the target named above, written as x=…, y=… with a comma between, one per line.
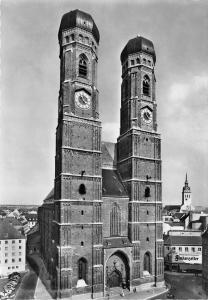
x=147, y=115
x=82, y=100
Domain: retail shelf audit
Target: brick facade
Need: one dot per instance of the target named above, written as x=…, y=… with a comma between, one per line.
x=101, y=226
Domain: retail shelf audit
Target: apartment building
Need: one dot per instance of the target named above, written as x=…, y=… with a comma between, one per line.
x=12, y=249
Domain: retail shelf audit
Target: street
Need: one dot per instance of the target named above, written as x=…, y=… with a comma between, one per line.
x=27, y=286
x=185, y=285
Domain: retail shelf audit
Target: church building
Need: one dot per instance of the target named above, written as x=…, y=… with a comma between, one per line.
x=101, y=225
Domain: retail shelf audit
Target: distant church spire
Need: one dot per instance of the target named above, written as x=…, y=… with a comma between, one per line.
x=186, y=196
x=186, y=187
x=186, y=181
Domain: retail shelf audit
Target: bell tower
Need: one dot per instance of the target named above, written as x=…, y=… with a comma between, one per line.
x=77, y=221
x=186, y=197
x=139, y=159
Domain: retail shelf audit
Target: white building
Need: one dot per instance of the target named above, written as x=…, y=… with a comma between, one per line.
x=12, y=249
x=183, y=250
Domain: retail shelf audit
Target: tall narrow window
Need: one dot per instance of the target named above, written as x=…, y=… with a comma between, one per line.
x=147, y=192
x=146, y=86
x=115, y=220
x=83, y=66
x=82, y=269
x=82, y=189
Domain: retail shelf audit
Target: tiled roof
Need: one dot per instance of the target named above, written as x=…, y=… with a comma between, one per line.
x=116, y=242
x=50, y=196
x=183, y=240
x=172, y=207
x=13, y=221
x=112, y=184
x=7, y=231
x=31, y=216
x=108, y=155
x=205, y=234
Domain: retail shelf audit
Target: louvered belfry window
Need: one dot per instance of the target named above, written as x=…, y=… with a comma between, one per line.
x=146, y=86
x=82, y=66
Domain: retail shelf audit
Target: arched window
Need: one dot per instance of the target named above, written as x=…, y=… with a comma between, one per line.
x=115, y=220
x=147, y=262
x=82, y=189
x=80, y=38
x=146, y=86
x=82, y=269
x=72, y=37
x=67, y=39
x=138, y=60
x=147, y=192
x=83, y=66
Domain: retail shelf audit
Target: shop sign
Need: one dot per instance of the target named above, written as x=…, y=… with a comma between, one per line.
x=188, y=259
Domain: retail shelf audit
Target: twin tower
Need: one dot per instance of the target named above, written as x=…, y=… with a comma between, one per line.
x=101, y=225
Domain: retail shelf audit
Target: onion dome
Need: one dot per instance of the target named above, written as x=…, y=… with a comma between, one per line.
x=78, y=18
x=138, y=44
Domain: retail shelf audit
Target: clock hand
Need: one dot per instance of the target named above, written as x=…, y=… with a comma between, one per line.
x=83, y=99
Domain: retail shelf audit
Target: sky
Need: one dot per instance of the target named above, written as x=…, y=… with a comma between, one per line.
x=30, y=86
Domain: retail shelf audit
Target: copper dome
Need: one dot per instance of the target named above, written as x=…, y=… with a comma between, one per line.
x=78, y=18
x=138, y=44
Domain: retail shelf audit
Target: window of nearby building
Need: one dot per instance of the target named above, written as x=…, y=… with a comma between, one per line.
x=147, y=239
x=186, y=249
x=180, y=248
x=6, y=261
x=13, y=241
x=82, y=243
x=9, y=268
x=20, y=247
x=17, y=267
x=20, y=253
x=168, y=248
x=132, y=62
x=13, y=260
x=199, y=249
x=82, y=212
x=173, y=248
x=6, y=248
x=6, y=254
x=20, y=241
x=13, y=267
x=193, y=249
x=6, y=242
x=20, y=259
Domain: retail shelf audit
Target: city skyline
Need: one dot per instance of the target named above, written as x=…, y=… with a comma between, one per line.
x=30, y=85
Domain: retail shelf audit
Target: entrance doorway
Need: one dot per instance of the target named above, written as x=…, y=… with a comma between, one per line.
x=117, y=271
